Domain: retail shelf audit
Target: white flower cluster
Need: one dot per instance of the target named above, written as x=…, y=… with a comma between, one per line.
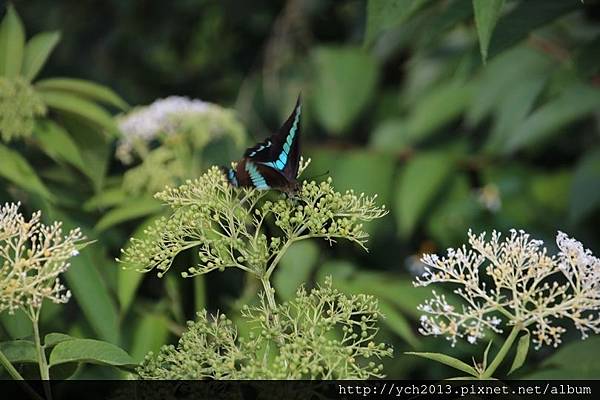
x=32, y=256
x=160, y=117
x=513, y=282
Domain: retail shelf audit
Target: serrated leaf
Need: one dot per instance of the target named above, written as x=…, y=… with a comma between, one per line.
x=447, y=360
x=419, y=182
x=12, y=42
x=486, y=13
x=336, y=102
x=37, y=51
x=90, y=351
x=57, y=143
x=87, y=89
x=522, y=350
x=17, y=169
x=80, y=107
x=134, y=208
x=19, y=351
x=574, y=103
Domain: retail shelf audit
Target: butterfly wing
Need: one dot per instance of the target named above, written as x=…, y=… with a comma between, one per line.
x=259, y=176
x=281, y=151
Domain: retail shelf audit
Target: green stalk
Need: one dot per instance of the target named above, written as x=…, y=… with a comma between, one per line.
x=41, y=355
x=17, y=376
x=489, y=371
x=269, y=293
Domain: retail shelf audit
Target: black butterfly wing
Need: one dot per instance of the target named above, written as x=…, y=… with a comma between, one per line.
x=281, y=151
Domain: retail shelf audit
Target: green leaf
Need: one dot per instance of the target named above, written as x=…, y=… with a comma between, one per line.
x=576, y=360
x=521, y=355
x=447, y=360
x=90, y=351
x=128, y=279
x=93, y=297
x=94, y=147
x=503, y=75
x=385, y=14
x=295, y=268
x=57, y=143
x=80, y=107
x=83, y=88
x=134, y=208
x=574, y=103
x=438, y=107
x=398, y=323
x=12, y=42
x=585, y=191
x=109, y=197
x=485, y=354
x=487, y=13
x=37, y=51
x=527, y=16
x=52, y=339
x=17, y=169
x=150, y=334
x=19, y=351
x=17, y=325
x=419, y=182
x=513, y=109
x=337, y=103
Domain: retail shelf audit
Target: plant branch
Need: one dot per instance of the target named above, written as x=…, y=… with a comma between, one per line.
x=489, y=371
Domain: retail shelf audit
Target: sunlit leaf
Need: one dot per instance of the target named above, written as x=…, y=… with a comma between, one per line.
x=55, y=141
x=134, y=208
x=37, y=51
x=447, y=360
x=82, y=108
x=12, y=42
x=83, y=88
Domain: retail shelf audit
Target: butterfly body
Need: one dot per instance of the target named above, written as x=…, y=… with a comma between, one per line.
x=273, y=163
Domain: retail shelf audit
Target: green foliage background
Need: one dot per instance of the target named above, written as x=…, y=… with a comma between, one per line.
x=458, y=113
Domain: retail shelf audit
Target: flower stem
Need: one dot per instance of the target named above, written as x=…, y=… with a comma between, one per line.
x=489, y=371
x=269, y=292
x=17, y=376
x=41, y=355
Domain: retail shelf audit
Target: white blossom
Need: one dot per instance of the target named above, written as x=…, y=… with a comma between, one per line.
x=32, y=256
x=513, y=282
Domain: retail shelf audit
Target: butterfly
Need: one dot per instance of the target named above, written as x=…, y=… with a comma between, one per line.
x=273, y=163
